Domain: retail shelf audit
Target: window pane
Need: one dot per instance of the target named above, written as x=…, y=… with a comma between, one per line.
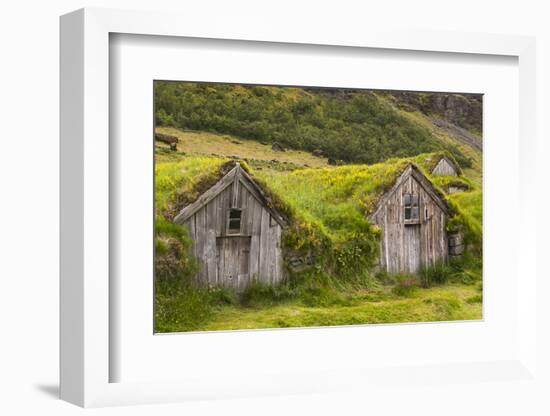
x=234, y=225
x=234, y=213
x=407, y=213
x=414, y=213
x=407, y=199
x=414, y=200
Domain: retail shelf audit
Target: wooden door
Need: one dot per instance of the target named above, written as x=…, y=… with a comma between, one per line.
x=233, y=256
x=411, y=247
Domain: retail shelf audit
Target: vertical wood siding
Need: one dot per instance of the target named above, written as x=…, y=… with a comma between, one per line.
x=444, y=168
x=404, y=247
x=234, y=260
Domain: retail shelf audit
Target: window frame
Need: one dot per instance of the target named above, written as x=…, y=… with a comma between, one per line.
x=228, y=229
x=410, y=207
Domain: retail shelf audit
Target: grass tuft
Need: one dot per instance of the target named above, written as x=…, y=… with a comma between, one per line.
x=438, y=274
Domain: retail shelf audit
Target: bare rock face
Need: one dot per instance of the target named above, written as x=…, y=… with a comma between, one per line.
x=462, y=110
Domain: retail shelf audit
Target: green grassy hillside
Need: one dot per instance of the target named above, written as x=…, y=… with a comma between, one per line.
x=372, y=137
x=353, y=126
x=202, y=143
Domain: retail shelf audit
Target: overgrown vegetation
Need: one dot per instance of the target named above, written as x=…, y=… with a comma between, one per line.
x=373, y=137
x=354, y=126
x=282, y=307
x=328, y=210
x=313, y=300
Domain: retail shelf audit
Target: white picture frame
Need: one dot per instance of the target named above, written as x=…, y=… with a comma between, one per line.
x=85, y=212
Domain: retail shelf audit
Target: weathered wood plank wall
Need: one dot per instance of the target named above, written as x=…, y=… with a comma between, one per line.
x=406, y=248
x=444, y=168
x=254, y=253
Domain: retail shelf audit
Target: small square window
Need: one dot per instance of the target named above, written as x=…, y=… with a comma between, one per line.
x=412, y=211
x=234, y=221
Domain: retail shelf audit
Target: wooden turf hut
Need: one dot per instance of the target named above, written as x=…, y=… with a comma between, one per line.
x=446, y=167
x=237, y=233
x=413, y=217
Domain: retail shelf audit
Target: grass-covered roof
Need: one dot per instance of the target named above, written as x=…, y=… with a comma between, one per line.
x=332, y=203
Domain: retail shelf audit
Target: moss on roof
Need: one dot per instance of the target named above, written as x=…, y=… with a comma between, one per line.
x=340, y=199
x=428, y=161
x=180, y=183
x=324, y=206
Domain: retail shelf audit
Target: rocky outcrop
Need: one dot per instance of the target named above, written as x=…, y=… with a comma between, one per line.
x=298, y=261
x=458, y=133
x=462, y=110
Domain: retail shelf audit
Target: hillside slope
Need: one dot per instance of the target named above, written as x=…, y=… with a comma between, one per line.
x=202, y=143
x=354, y=126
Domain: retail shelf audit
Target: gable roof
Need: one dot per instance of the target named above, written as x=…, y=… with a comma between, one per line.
x=232, y=178
x=450, y=162
x=425, y=183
